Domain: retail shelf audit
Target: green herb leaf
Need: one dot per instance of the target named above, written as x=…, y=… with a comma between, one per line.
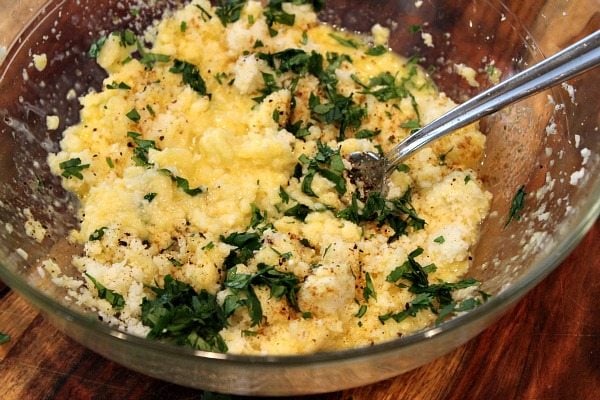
x=190, y=75
x=183, y=316
x=96, y=46
x=149, y=197
x=439, y=239
x=362, y=310
x=345, y=41
x=126, y=37
x=376, y=50
x=183, y=26
x=133, y=115
x=369, y=289
x=141, y=149
x=229, y=11
x=257, y=217
x=245, y=243
x=4, y=338
x=518, y=203
x=299, y=211
x=98, y=234
x=285, y=198
x=204, y=14
x=398, y=214
x=115, y=299
x=182, y=183
x=175, y=262
x=110, y=162
x=367, y=133
x=403, y=168
x=118, y=85
x=73, y=167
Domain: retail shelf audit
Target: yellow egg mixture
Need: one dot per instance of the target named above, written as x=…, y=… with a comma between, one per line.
x=216, y=206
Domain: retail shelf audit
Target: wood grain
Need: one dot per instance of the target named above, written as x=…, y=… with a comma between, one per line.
x=547, y=347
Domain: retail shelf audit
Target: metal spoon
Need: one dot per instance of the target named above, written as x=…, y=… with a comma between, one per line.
x=371, y=171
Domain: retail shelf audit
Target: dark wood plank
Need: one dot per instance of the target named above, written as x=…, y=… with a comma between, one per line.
x=547, y=347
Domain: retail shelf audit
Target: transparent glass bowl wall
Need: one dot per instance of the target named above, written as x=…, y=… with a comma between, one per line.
x=520, y=151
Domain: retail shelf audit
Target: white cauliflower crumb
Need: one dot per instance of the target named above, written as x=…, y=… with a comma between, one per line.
x=577, y=176
x=427, y=39
x=467, y=73
x=52, y=122
x=40, y=61
x=381, y=34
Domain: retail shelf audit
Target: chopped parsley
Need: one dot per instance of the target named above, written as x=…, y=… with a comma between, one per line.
x=133, y=115
x=150, y=110
x=412, y=124
x=367, y=133
x=439, y=239
x=327, y=163
x=98, y=234
x=73, y=167
x=190, y=75
x=141, y=149
x=398, y=213
x=339, y=110
x=403, y=168
x=347, y=42
x=203, y=13
x=118, y=85
x=109, y=162
x=362, y=310
x=257, y=217
x=376, y=50
x=435, y=297
x=281, y=284
x=415, y=28
x=150, y=196
x=518, y=203
x=126, y=37
x=115, y=299
x=4, y=338
x=299, y=211
x=274, y=14
x=285, y=198
x=182, y=183
x=149, y=59
x=96, y=46
x=183, y=26
x=245, y=243
x=175, y=262
x=467, y=179
x=369, y=289
x=180, y=315
x=208, y=246
x=229, y=11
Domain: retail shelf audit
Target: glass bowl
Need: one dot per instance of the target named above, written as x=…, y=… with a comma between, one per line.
x=548, y=144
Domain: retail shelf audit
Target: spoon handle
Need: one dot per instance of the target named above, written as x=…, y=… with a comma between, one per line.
x=573, y=60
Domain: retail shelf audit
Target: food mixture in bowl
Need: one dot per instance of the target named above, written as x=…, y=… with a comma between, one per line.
x=217, y=209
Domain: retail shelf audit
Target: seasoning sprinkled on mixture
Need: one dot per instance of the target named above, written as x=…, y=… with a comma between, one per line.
x=217, y=210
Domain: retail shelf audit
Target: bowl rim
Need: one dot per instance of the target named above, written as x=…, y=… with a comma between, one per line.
x=546, y=264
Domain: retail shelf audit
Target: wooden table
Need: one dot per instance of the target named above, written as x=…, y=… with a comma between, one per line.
x=547, y=347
